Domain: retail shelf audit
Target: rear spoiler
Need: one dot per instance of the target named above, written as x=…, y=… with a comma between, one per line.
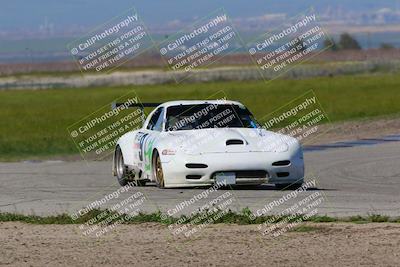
x=115, y=105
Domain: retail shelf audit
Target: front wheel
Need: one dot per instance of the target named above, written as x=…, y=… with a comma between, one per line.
x=158, y=171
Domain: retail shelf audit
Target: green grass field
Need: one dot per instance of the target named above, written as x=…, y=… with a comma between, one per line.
x=34, y=123
x=230, y=217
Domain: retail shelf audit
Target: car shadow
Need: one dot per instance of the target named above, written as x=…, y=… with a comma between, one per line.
x=266, y=187
x=271, y=187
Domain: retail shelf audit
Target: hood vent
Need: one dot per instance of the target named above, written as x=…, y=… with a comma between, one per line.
x=234, y=142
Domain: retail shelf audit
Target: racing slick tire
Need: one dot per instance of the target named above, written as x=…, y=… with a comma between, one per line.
x=157, y=170
x=120, y=168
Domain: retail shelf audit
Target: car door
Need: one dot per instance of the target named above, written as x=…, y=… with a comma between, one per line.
x=148, y=136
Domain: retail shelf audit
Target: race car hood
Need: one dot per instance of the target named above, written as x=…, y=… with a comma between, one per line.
x=234, y=140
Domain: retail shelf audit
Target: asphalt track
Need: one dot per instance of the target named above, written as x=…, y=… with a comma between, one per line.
x=357, y=180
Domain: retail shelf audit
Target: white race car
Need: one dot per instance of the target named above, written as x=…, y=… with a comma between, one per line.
x=199, y=143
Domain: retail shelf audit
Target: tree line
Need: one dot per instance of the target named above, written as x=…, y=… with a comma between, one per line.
x=348, y=42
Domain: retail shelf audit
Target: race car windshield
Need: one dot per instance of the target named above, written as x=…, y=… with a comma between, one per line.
x=203, y=116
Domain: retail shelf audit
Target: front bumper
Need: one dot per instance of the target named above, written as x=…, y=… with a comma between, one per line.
x=176, y=172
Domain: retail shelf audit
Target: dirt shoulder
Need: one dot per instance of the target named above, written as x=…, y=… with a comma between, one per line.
x=327, y=244
x=355, y=130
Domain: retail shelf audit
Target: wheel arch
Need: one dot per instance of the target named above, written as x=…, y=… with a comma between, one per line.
x=126, y=144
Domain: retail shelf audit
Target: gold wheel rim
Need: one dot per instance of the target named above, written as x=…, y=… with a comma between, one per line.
x=159, y=172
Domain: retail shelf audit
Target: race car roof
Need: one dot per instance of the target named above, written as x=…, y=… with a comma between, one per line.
x=115, y=105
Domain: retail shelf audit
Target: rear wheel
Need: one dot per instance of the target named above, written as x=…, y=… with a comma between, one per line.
x=124, y=176
x=120, y=167
x=158, y=171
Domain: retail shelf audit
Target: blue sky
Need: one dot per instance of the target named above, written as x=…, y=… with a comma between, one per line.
x=31, y=13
